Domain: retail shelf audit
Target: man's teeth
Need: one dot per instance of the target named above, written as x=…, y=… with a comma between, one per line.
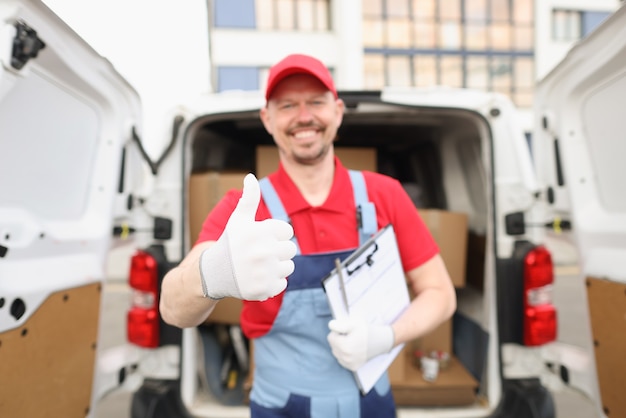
x=304, y=134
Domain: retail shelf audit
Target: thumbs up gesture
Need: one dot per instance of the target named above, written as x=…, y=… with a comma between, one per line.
x=251, y=259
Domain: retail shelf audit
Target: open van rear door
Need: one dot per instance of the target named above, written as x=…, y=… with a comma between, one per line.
x=66, y=118
x=580, y=144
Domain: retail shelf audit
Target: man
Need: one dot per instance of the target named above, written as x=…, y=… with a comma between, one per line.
x=304, y=358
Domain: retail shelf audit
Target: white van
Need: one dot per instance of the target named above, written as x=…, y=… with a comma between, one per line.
x=74, y=186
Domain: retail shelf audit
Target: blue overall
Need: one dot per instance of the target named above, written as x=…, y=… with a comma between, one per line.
x=296, y=373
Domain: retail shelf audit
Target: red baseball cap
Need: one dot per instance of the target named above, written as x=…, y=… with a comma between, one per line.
x=299, y=64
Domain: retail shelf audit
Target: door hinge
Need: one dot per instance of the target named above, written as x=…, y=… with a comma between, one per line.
x=26, y=45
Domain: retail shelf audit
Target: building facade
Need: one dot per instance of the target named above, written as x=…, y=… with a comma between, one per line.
x=496, y=45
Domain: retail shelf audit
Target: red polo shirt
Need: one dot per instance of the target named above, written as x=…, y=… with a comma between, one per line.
x=331, y=226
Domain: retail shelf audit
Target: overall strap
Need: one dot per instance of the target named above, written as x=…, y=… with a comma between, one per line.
x=365, y=210
x=274, y=205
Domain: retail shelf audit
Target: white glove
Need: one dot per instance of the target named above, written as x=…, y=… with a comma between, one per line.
x=354, y=341
x=250, y=260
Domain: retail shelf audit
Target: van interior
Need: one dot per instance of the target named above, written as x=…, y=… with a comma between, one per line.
x=439, y=156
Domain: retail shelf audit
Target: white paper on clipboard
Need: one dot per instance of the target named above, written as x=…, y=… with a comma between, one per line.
x=375, y=289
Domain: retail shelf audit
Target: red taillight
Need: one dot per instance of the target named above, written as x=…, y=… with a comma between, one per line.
x=143, y=272
x=540, y=322
x=143, y=317
x=143, y=327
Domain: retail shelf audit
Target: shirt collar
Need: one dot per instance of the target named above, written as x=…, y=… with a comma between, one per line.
x=335, y=202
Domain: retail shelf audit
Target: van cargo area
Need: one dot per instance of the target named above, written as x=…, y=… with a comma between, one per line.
x=438, y=155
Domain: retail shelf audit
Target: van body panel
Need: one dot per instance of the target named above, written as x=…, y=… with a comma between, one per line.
x=579, y=122
x=65, y=119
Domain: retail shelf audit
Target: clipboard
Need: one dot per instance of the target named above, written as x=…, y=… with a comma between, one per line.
x=370, y=283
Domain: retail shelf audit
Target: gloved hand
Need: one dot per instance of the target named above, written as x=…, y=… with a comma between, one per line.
x=250, y=260
x=354, y=341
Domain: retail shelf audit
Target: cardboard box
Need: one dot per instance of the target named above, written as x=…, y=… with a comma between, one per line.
x=607, y=310
x=205, y=190
x=454, y=385
x=449, y=229
x=227, y=311
x=440, y=339
x=352, y=158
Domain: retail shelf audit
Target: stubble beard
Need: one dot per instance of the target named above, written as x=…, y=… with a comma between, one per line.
x=306, y=158
x=307, y=155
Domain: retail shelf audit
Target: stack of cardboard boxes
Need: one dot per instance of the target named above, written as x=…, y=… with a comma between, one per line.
x=454, y=385
x=205, y=191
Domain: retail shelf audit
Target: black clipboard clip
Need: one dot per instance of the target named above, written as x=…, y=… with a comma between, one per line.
x=368, y=261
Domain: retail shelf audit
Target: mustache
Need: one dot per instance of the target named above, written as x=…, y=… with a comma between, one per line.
x=312, y=125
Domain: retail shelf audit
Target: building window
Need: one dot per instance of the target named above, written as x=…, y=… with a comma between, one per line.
x=501, y=74
x=233, y=14
x=399, y=32
x=523, y=81
x=424, y=34
x=425, y=70
x=301, y=15
x=451, y=70
x=478, y=44
x=237, y=78
x=399, y=71
x=566, y=25
x=477, y=72
x=374, y=70
x=591, y=20
x=572, y=25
